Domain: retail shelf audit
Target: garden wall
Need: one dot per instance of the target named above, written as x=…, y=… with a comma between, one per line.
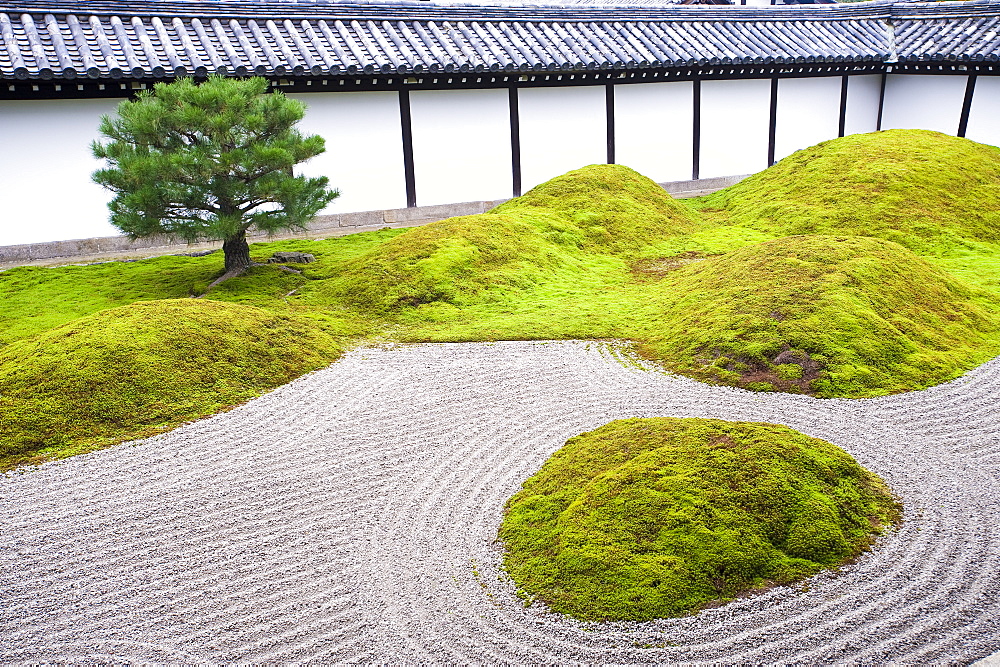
x=387, y=150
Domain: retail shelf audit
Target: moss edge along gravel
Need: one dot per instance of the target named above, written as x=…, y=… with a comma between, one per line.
x=603, y=252
x=140, y=369
x=651, y=518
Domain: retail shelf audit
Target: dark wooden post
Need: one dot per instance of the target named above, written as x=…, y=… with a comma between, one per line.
x=407, y=128
x=515, y=141
x=772, y=122
x=696, y=130
x=609, y=111
x=881, y=103
x=970, y=91
x=842, y=123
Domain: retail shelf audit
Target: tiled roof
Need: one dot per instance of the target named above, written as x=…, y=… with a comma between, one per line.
x=937, y=31
x=143, y=39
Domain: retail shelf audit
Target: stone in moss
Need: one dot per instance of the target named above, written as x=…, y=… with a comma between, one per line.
x=650, y=518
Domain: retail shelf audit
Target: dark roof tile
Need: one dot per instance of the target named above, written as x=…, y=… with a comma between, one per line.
x=142, y=38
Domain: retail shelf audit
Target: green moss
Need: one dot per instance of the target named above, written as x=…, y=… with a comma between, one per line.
x=451, y=261
x=788, y=371
x=556, y=227
x=927, y=191
x=651, y=518
x=35, y=299
x=602, y=252
x=609, y=208
x=834, y=316
x=139, y=369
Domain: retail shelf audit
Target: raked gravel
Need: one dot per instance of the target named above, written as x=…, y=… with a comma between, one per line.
x=352, y=515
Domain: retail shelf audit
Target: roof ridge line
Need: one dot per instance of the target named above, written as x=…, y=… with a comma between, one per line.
x=423, y=10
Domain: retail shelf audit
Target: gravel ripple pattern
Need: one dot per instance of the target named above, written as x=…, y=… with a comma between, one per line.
x=352, y=516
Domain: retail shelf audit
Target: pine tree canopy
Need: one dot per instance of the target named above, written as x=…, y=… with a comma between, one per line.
x=208, y=161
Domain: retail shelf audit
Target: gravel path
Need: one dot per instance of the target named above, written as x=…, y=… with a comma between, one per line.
x=351, y=515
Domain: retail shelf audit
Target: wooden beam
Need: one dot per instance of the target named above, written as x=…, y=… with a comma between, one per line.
x=881, y=103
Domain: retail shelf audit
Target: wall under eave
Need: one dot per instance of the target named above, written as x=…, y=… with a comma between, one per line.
x=461, y=145
x=808, y=112
x=734, y=126
x=984, y=116
x=561, y=129
x=654, y=129
x=45, y=165
x=460, y=141
x=364, y=148
x=861, y=112
x=923, y=101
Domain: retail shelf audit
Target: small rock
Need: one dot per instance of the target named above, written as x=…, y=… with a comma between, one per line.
x=291, y=257
x=790, y=357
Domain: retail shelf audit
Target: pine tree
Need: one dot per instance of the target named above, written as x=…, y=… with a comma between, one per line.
x=208, y=162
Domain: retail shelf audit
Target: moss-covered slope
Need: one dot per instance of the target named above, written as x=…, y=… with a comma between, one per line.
x=137, y=369
x=609, y=207
x=650, y=518
x=834, y=316
x=603, y=209
x=925, y=190
x=451, y=261
x=598, y=252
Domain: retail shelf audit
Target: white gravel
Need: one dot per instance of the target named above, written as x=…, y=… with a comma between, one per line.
x=351, y=516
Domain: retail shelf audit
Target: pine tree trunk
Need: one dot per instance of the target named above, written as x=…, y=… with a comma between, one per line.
x=237, y=252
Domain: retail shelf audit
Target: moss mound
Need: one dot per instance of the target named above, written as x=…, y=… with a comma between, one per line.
x=650, y=518
x=452, y=260
x=610, y=208
x=834, y=316
x=138, y=369
x=605, y=209
x=922, y=189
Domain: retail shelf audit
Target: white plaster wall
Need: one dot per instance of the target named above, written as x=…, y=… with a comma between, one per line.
x=808, y=112
x=364, y=148
x=862, y=103
x=653, y=129
x=984, y=115
x=461, y=145
x=734, y=121
x=923, y=101
x=45, y=165
x=561, y=129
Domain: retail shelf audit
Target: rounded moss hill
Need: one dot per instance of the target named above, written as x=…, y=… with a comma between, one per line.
x=653, y=518
x=605, y=209
x=139, y=369
x=925, y=190
x=610, y=207
x=833, y=316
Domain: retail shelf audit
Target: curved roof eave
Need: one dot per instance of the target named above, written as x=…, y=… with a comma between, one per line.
x=98, y=39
